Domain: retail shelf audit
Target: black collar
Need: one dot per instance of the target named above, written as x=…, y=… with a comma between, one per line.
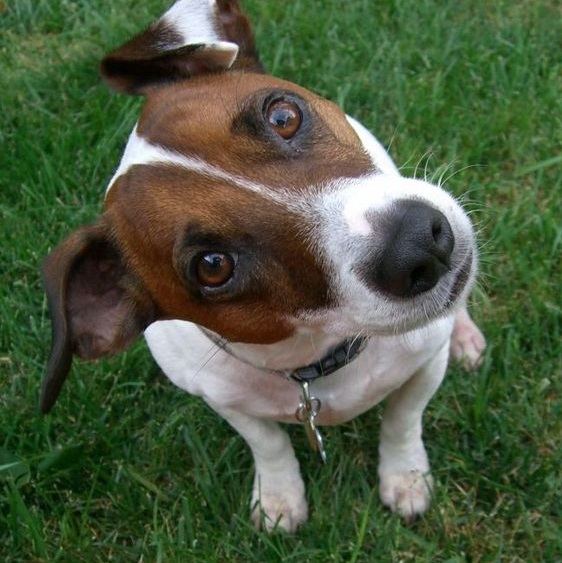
x=335, y=359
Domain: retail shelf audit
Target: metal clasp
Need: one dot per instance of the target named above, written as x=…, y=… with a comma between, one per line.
x=306, y=413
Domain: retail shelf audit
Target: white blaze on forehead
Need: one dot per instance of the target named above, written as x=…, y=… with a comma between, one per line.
x=140, y=151
x=379, y=190
x=364, y=194
x=379, y=157
x=350, y=198
x=355, y=217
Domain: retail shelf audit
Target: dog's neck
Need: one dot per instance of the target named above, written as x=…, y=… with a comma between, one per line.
x=309, y=406
x=331, y=361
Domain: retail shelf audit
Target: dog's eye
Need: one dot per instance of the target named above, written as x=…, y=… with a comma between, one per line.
x=284, y=117
x=214, y=269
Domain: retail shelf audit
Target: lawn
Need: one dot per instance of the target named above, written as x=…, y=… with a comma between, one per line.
x=129, y=469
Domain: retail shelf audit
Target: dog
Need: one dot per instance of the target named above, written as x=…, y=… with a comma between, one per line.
x=277, y=262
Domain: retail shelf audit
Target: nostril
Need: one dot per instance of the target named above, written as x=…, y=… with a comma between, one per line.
x=443, y=239
x=418, y=273
x=436, y=230
x=416, y=253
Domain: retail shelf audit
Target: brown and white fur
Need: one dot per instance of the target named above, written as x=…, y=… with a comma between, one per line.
x=251, y=207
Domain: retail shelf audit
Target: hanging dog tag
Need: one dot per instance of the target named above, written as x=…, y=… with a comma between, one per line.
x=306, y=413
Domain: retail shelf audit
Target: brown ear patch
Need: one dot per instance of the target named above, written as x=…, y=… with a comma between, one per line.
x=163, y=53
x=135, y=68
x=97, y=306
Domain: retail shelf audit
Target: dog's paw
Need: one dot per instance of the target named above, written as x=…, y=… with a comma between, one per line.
x=408, y=494
x=284, y=511
x=467, y=341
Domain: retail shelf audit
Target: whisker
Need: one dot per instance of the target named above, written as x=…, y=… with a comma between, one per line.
x=212, y=352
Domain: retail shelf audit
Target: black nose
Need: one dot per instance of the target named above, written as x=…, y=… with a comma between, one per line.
x=416, y=250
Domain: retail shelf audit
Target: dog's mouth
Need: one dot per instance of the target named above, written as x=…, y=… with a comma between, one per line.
x=445, y=295
x=442, y=299
x=461, y=279
x=411, y=313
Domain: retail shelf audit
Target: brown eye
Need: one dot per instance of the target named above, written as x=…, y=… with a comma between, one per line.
x=284, y=117
x=214, y=269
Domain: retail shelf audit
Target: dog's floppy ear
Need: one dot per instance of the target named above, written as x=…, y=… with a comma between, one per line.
x=193, y=37
x=97, y=305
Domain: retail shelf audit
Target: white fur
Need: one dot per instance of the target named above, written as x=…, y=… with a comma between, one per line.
x=194, y=20
x=251, y=398
x=374, y=149
x=139, y=151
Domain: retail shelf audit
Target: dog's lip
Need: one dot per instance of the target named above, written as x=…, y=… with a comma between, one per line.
x=461, y=279
x=462, y=275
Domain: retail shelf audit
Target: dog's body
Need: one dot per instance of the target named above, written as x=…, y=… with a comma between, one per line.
x=252, y=229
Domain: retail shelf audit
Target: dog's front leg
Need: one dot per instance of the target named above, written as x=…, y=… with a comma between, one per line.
x=405, y=481
x=467, y=341
x=278, y=499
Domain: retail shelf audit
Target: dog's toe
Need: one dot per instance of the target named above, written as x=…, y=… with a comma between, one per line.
x=407, y=494
x=279, y=512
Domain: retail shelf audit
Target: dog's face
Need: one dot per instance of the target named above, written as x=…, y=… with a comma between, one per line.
x=248, y=205
x=218, y=206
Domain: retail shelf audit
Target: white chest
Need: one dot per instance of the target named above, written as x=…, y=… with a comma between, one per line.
x=197, y=365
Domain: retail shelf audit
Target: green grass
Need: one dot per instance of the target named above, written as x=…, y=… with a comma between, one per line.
x=127, y=468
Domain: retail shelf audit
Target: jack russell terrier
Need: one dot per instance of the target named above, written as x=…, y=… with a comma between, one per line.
x=279, y=265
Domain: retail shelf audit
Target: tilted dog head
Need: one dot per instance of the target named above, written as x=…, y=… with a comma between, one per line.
x=248, y=205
